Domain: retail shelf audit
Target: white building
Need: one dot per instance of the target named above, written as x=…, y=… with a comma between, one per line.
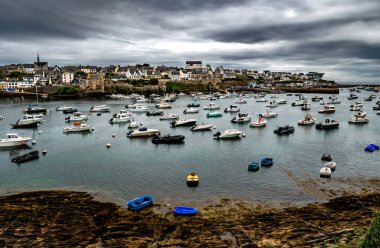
x=67, y=77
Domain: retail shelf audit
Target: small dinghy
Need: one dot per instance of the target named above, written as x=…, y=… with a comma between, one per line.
x=253, y=166
x=214, y=115
x=267, y=162
x=192, y=180
x=141, y=202
x=326, y=157
x=371, y=148
x=331, y=165
x=325, y=172
x=181, y=210
x=26, y=157
x=261, y=122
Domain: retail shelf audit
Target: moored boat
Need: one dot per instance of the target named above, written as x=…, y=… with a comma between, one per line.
x=329, y=123
x=327, y=109
x=284, y=130
x=163, y=105
x=169, y=116
x=193, y=105
x=191, y=111
x=307, y=120
x=18, y=124
x=202, y=127
x=253, y=166
x=183, y=122
x=360, y=117
x=143, y=132
x=192, y=179
x=261, y=122
x=100, y=108
x=140, y=202
x=214, y=115
x=14, y=140
x=77, y=116
x=232, y=108
x=70, y=111
x=121, y=117
x=240, y=101
x=228, y=134
x=83, y=127
x=268, y=114
x=26, y=157
x=211, y=106
x=181, y=210
x=240, y=118
x=154, y=113
x=34, y=108
x=63, y=108
x=168, y=139
x=267, y=162
x=325, y=172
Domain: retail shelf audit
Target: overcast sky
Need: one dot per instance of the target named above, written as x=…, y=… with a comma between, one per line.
x=338, y=37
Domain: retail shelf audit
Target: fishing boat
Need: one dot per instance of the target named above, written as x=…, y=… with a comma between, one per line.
x=154, y=113
x=183, y=122
x=83, y=127
x=122, y=117
x=191, y=111
x=317, y=98
x=77, y=116
x=63, y=108
x=211, y=106
x=357, y=106
x=193, y=105
x=241, y=118
x=253, y=166
x=329, y=123
x=100, y=108
x=140, y=202
x=325, y=172
x=352, y=97
x=334, y=100
x=261, y=122
x=214, y=115
x=14, y=140
x=192, y=180
x=169, y=116
x=19, y=124
x=143, y=132
x=268, y=114
x=232, y=108
x=305, y=106
x=267, y=162
x=202, y=127
x=26, y=157
x=360, y=117
x=168, y=139
x=327, y=109
x=163, y=105
x=181, y=210
x=228, y=134
x=284, y=130
x=307, y=120
x=240, y=101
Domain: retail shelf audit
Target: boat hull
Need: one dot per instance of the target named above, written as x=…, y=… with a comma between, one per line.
x=141, y=202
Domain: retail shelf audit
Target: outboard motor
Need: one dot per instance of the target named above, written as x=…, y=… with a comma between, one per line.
x=110, y=121
x=129, y=133
x=217, y=134
x=172, y=124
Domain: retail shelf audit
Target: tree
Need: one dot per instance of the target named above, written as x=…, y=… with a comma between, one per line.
x=80, y=74
x=153, y=81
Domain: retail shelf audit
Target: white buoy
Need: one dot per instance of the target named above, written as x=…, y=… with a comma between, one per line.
x=39, y=132
x=325, y=172
x=34, y=142
x=113, y=135
x=108, y=145
x=44, y=151
x=331, y=165
x=243, y=135
x=214, y=127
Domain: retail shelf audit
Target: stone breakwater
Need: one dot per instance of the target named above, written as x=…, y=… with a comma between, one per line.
x=75, y=219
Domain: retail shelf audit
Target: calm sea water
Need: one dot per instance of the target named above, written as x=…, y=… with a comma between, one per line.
x=133, y=167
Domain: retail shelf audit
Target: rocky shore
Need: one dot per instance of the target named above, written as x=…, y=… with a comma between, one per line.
x=76, y=219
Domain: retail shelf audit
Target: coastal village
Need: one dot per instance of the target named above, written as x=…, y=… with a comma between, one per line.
x=90, y=78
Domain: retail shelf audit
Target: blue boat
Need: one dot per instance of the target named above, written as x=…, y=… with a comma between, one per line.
x=375, y=146
x=371, y=148
x=267, y=162
x=141, y=202
x=214, y=114
x=253, y=166
x=180, y=210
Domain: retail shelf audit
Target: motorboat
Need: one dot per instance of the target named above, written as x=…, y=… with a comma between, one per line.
x=305, y=106
x=143, y=132
x=168, y=139
x=267, y=162
x=121, y=117
x=140, y=202
x=357, y=106
x=100, y=108
x=192, y=179
x=241, y=118
x=83, y=127
x=329, y=123
x=268, y=114
x=14, y=140
x=352, y=97
x=154, y=113
x=169, y=116
x=183, y=122
x=360, y=117
x=181, y=210
x=377, y=106
x=63, y=108
x=26, y=157
x=31, y=118
x=261, y=122
x=327, y=109
x=325, y=172
x=211, y=106
x=141, y=99
x=261, y=100
x=272, y=104
x=134, y=125
x=282, y=101
x=307, y=120
x=368, y=99
x=34, y=108
x=203, y=97
x=139, y=108
x=331, y=165
x=284, y=130
x=202, y=127
x=240, y=101
x=228, y=134
x=193, y=105
x=2, y=117
x=191, y=111
x=334, y=100
x=31, y=124
x=77, y=116
x=119, y=96
x=163, y=105
x=289, y=94
x=317, y=98
x=70, y=111
x=214, y=114
x=232, y=108
x=253, y=166
x=298, y=102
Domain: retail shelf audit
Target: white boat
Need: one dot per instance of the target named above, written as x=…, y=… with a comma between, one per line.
x=169, y=116
x=268, y=114
x=202, y=127
x=211, y=106
x=2, y=117
x=298, y=102
x=272, y=104
x=305, y=106
x=183, y=122
x=327, y=109
x=121, y=117
x=137, y=108
x=120, y=96
x=203, y=97
x=357, y=106
x=27, y=119
x=331, y=165
x=360, y=117
x=134, y=124
x=63, y=108
x=378, y=112
x=325, y=172
x=143, y=132
x=100, y=108
x=163, y=105
x=77, y=116
x=181, y=94
x=307, y=120
x=261, y=100
x=232, y=108
x=14, y=140
x=191, y=111
x=228, y=134
x=261, y=122
x=83, y=127
x=241, y=118
x=240, y=101
x=329, y=123
x=334, y=100
x=282, y=101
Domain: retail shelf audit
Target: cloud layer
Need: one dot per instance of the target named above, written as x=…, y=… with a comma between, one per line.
x=338, y=37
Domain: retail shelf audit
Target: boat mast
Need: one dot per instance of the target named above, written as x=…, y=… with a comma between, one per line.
x=36, y=94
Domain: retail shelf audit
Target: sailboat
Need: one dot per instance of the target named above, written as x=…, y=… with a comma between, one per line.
x=34, y=108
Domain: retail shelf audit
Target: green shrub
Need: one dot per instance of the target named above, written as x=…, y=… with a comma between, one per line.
x=372, y=238
x=69, y=90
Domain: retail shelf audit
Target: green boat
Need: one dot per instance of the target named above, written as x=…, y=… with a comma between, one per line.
x=214, y=114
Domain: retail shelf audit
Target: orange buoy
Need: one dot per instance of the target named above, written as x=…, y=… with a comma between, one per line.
x=77, y=123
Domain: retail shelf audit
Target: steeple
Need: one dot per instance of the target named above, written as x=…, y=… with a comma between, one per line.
x=38, y=57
